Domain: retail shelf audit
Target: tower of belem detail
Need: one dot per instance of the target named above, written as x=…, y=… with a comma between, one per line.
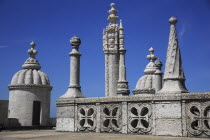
x=113, y=47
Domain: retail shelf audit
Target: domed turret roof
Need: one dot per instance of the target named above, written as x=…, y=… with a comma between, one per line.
x=146, y=84
x=30, y=77
x=30, y=74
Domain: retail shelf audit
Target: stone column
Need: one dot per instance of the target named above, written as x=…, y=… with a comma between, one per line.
x=74, y=89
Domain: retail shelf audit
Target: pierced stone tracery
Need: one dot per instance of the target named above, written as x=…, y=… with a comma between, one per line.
x=198, y=118
x=139, y=118
x=111, y=117
x=86, y=118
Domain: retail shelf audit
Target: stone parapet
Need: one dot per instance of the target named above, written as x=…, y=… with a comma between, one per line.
x=186, y=114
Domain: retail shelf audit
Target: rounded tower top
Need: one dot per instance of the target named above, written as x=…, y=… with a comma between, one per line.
x=31, y=74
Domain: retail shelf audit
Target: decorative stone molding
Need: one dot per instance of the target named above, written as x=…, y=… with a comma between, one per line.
x=12, y=87
x=139, y=118
x=111, y=117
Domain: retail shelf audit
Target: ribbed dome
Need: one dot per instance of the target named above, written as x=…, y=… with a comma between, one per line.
x=30, y=77
x=145, y=82
x=31, y=74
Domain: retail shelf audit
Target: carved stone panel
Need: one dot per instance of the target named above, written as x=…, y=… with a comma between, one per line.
x=86, y=118
x=139, y=118
x=198, y=118
x=111, y=117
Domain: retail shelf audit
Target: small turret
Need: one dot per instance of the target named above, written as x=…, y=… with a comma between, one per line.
x=152, y=81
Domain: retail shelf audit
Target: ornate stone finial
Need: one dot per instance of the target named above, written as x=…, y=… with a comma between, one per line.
x=75, y=41
x=112, y=17
x=173, y=20
x=32, y=52
x=158, y=63
x=31, y=62
x=151, y=57
x=151, y=68
x=32, y=44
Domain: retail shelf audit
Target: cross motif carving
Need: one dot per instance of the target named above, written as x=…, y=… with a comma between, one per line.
x=111, y=118
x=139, y=119
x=198, y=118
x=86, y=118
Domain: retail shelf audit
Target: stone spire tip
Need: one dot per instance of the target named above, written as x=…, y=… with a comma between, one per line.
x=151, y=50
x=32, y=44
x=173, y=20
x=32, y=52
x=112, y=5
x=112, y=17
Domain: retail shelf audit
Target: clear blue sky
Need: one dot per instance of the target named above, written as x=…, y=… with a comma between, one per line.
x=51, y=23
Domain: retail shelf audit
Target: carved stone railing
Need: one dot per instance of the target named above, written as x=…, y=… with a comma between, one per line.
x=185, y=114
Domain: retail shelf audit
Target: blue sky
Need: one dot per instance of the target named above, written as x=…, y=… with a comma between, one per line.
x=51, y=23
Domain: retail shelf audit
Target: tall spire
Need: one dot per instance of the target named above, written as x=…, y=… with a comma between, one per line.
x=32, y=62
x=122, y=84
x=174, y=79
x=112, y=17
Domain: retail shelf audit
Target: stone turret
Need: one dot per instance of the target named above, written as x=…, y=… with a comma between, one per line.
x=74, y=89
x=152, y=81
x=29, y=94
x=113, y=47
x=174, y=79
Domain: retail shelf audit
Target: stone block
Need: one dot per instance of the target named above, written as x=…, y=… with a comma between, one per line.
x=168, y=127
x=168, y=109
x=65, y=112
x=65, y=124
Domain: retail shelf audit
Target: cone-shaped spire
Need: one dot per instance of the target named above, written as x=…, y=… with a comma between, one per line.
x=173, y=63
x=31, y=62
x=174, y=79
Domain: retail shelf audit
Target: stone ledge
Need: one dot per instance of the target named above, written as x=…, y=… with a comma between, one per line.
x=12, y=87
x=142, y=97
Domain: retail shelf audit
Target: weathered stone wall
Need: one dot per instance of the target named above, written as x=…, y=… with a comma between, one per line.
x=3, y=112
x=159, y=114
x=21, y=105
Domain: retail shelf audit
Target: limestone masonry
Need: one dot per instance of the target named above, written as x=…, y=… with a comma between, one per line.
x=159, y=106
